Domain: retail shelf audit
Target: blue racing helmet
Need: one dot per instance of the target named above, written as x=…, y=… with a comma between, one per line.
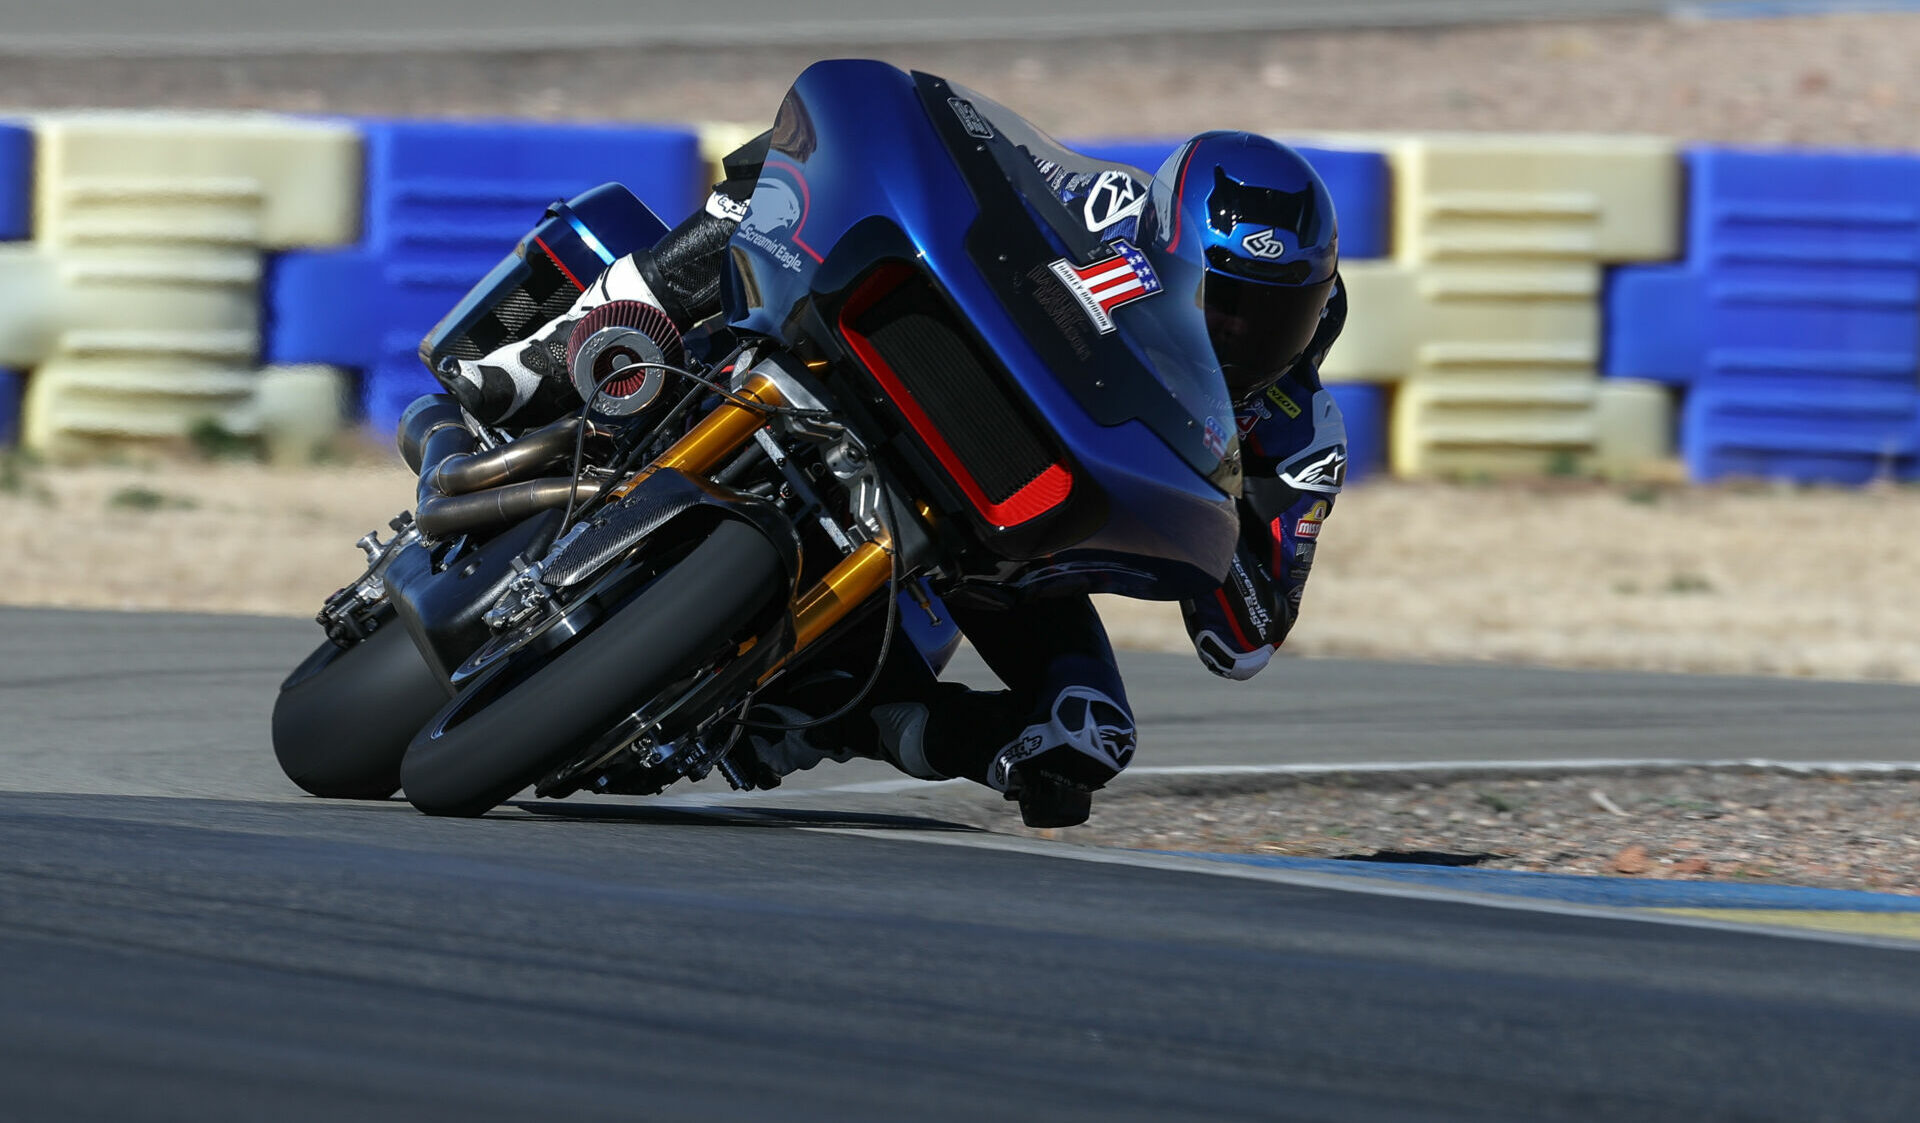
x=1263, y=222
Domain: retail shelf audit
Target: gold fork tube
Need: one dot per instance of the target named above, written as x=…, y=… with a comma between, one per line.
x=719, y=435
x=844, y=588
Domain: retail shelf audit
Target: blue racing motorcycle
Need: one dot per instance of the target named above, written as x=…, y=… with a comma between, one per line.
x=937, y=377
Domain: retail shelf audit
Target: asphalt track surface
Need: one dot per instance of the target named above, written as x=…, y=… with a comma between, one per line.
x=231, y=952
x=279, y=26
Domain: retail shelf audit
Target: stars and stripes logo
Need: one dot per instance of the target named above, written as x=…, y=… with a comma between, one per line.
x=1122, y=278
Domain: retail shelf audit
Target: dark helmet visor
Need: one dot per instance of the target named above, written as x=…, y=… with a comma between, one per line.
x=1260, y=330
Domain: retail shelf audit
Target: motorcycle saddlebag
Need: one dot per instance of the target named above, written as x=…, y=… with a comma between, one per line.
x=545, y=273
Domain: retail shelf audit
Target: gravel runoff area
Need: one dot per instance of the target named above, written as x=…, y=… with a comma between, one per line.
x=1828, y=80
x=1815, y=827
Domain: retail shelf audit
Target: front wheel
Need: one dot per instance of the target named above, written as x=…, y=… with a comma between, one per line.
x=516, y=720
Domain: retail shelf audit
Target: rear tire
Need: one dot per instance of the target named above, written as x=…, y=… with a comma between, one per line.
x=517, y=720
x=345, y=715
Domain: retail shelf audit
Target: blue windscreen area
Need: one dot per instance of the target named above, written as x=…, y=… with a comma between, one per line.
x=444, y=203
x=1794, y=320
x=16, y=182
x=1361, y=184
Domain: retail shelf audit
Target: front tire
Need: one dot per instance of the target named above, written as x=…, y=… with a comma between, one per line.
x=345, y=715
x=514, y=722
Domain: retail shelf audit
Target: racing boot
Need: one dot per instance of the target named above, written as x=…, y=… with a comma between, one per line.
x=1051, y=767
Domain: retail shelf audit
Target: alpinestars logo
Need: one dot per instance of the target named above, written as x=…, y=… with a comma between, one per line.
x=1326, y=474
x=1115, y=196
x=1084, y=720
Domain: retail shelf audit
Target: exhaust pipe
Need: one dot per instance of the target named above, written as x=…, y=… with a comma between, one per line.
x=432, y=417
x=462, y=490
x=443, y=516
x=525, y=458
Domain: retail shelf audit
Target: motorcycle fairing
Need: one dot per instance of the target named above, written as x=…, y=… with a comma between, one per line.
x=862, y=186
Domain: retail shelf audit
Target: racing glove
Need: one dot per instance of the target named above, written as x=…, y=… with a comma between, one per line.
x=1237, y=628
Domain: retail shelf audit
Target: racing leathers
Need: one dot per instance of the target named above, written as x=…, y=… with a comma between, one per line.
x=1294, y=448
x=1062, y=727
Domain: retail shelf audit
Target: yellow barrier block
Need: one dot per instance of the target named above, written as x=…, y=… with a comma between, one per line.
x=1517, y=198
x=1438, y=431
x=127, y=303
x=1636, y=428
x=718, y=140
x=259, y=181
x=78, y=407
x=1497, y=369
x=1384, y=322
x=1405, y=322
x=298, y=409
x=1619, y=428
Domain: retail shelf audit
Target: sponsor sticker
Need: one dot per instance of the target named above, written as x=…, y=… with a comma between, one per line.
x=726, y=206
x=1060, y=307
x=970, y=118
x=1115, y=196
x=1215, y=437
x=1110, y=283
x=1285, y=404
x=773, y=214
x=1308, y=528
x=1250, y=417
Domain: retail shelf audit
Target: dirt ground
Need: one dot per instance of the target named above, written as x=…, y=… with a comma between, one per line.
x=1829, y=80
x=1780, y=582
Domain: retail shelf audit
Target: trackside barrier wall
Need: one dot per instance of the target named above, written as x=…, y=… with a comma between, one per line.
x=12, y=386
x=139, y=291
x=444, y=202
x=1794, y=319
x=1487, y=315
x=138, y=299
x=16, y=181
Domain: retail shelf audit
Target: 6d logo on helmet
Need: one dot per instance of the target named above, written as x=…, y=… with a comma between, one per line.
x=1263, y=244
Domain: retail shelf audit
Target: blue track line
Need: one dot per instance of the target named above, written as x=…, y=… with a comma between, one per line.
x=1574, y=889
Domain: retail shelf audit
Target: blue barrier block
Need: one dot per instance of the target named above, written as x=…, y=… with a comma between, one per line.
x=1795, y=317
x=13, y=388
x=1807, y=433
x=1361, y=184
x=1800, y=265
x=388, y=388
x=1365, y=407
x=1652, y=329
x=444, y=202
x=443, y=188
x=16, y=183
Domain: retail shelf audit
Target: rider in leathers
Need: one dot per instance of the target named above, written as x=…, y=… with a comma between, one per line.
x=1062, y=728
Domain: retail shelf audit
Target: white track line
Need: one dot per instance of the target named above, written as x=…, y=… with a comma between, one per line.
x=1549, y=767
x=1342, y=884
